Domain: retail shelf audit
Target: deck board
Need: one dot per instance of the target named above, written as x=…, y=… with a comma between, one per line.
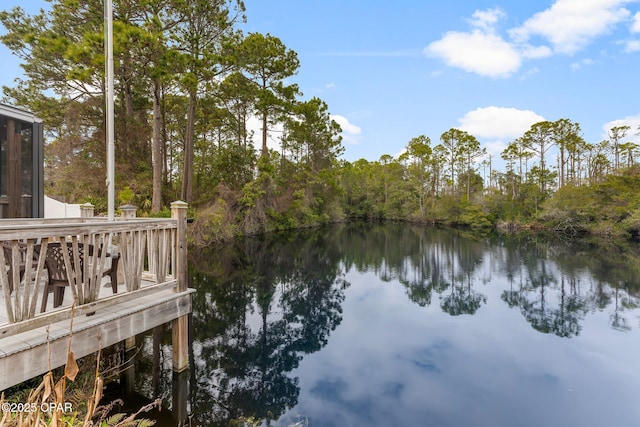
x=31, y=353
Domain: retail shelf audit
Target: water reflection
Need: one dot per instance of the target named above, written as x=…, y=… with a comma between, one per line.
x=261, y=305
x=559, y=282
x=264, y=305
x=554, y=283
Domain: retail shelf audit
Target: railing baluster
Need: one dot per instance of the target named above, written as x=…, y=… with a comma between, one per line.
x=4, y=281
x=126, y=259
x=17, y=289
x=28, y=286
x=161, y=274
x=174, y=252
x=67, y=264
x=86, y=262
x=38, y=279
x=102, y=246
x=94, y=268
x=151, y=248
x=140, y=260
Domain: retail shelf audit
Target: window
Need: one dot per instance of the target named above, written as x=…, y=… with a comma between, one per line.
x=3, y=156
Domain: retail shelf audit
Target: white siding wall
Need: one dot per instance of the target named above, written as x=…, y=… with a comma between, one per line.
x=56, y=209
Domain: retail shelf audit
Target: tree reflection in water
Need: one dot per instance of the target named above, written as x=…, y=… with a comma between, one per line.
x=563, y=281
x=253, y=322
x=262, y=304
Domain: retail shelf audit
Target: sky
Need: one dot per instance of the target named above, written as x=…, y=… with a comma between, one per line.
x=391, y=71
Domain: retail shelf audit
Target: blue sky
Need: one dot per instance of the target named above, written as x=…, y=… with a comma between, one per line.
x=390, y=71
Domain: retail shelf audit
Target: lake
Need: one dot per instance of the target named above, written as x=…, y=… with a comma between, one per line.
x=370, y=324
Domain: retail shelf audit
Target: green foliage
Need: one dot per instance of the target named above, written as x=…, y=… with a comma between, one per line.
x=570, y=210
x=474, y=217
x=607, y=208
x=215, y=223
x=165, y=212
x=447, y=210
x=631, y=224
x=251, y=194
x=266, y=62
x=312, y=139
x=125, y=196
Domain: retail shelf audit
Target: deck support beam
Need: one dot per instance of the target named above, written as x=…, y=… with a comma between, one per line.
x=180, y=343
x=180, y=326
x=180, y=397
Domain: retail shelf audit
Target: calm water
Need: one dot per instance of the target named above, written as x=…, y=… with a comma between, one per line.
x=399, y=325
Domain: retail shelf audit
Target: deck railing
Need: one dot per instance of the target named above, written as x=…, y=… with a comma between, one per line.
x=150, y=251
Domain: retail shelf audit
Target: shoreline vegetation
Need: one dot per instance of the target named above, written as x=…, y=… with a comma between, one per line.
x=607, y=208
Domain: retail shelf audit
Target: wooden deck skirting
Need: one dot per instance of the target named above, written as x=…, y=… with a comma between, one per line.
x=152, y=289
x=31, y=353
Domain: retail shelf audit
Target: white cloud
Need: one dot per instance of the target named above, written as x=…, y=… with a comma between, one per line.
x=632, y=46
x=570, y=25
x=529, y=73
x=330, y=85
x=350, y=132
x=254, y=124
x=495, y=148
x=635, y=27
x=632, y=121
x=498, y=122
x=565, y=27
x=535, y=52
x=486, y=20
x=579, y=64
x=477, y=52
x=480, y=51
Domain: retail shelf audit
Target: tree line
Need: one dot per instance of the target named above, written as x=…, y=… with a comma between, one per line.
x=582, y=187
x=188, y=81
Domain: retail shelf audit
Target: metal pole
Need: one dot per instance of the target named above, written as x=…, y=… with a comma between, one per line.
x=108, y=10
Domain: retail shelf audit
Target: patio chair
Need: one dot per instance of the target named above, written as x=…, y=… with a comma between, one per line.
x=57, y=270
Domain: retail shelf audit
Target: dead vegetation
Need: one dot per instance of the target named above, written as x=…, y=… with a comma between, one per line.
x=50, y=404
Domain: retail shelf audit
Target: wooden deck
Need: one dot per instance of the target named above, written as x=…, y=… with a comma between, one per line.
x=151, y=290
